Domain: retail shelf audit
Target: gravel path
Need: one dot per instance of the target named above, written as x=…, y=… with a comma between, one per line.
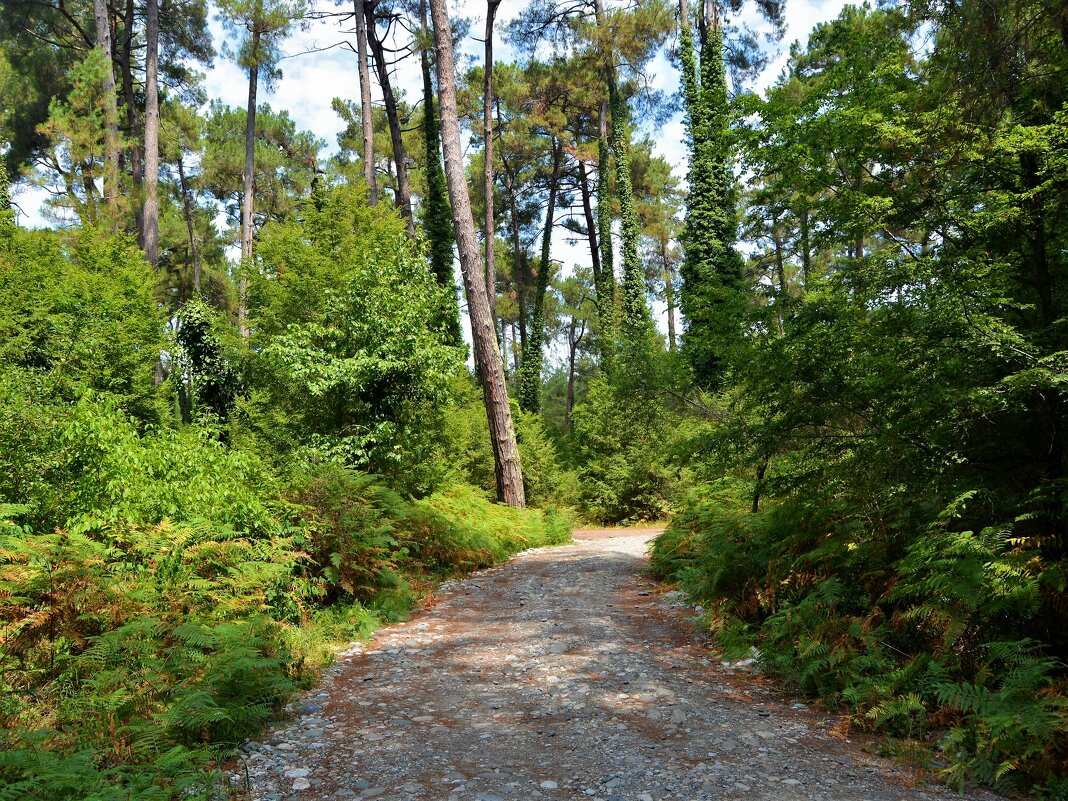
x=561, y=675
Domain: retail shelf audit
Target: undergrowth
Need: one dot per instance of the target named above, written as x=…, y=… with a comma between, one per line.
x=934, y=638
x=186, y=590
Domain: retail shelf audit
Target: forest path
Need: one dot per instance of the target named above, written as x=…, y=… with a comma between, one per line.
x=561, y=675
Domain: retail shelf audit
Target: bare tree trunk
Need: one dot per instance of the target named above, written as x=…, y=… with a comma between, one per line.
x=111, y=111
x=669, y=292
x=805, y=247
x=247, y=197
x=518, y=273
x=366, y=119
x=591, y=225
x=487, y=359
x=515, y=352
x=187, y=209
x=573, y=343
x=404, y=187
x=530, y=380
x=151, y=213
x=126, y=65
x=487, y=133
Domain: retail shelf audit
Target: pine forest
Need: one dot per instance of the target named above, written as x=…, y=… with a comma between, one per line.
x=307, y=308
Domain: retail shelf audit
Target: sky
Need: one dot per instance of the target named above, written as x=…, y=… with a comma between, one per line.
x=317, y=68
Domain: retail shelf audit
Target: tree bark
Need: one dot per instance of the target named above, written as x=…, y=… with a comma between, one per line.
x=669, y=292
x=591, y=224
x=126, y=64
x=111, y=111
x=187, y=210
x=530, y=380
x=404, y=187
x=487, y=358
x=247, y=198
x=366, y=117
x=518, y=271
x=151, y=212
x=487, y=134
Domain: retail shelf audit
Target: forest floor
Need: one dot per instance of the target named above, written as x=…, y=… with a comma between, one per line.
x=563, y=674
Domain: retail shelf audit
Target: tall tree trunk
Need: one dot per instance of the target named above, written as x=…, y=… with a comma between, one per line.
x=151, y=213
x=187, y=209
x=126, y=65
x=111, y=111
x=530, y=379
x=519, y=272
x=487, y=359
x=806, y=247
x=437, y=217
x=404, y=187
x=573, y=343
x=669, y=291
x=591, y=225
x=515, y=352
x=366, y=116
x=247, y=197
x=606, y=289
x=487, y=177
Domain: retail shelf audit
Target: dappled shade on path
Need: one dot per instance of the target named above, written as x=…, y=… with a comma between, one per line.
x=563, y=674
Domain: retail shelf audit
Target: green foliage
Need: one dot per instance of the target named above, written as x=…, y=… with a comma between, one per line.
x=172, y=613
x=711, y=270
x=904, y=641
x=548, y=484
x=81, y=310
x=627, y=432
x=354, y=360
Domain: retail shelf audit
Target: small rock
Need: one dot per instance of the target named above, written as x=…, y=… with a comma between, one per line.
x=548, y=785
x=301, y=784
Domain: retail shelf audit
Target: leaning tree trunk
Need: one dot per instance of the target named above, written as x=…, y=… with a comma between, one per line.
x=111, y=110
x=404, y=187
x=487, y=358
x=366, y=118
x=151, y=213
x=487, y=134
x=246, y=197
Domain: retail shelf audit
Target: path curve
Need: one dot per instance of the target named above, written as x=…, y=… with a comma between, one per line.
x=561, y=675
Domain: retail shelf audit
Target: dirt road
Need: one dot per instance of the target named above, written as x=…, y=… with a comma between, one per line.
x=561, y=675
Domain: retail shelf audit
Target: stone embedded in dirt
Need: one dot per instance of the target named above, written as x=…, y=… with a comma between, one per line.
x=548, y=785
x=301, y=784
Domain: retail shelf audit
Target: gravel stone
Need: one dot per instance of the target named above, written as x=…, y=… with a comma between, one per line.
x=564, y=662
